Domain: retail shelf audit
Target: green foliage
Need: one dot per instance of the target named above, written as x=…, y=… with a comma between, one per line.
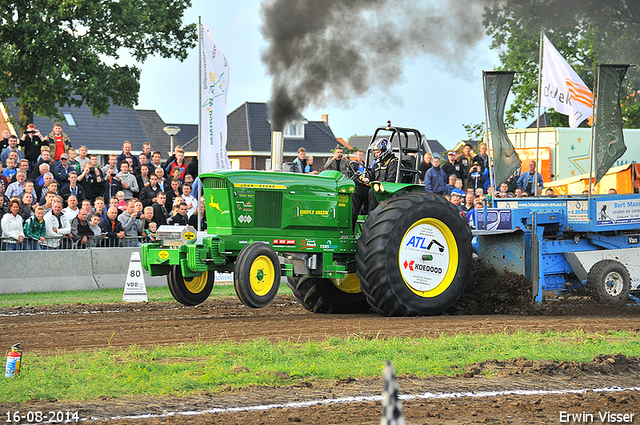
x=189, y=369
x=73, y=297
x=585, y=33
x=474, y=131
x=347, y=152
x=65, y=52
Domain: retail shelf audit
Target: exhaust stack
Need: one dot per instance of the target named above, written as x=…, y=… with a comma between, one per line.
x=277, y=150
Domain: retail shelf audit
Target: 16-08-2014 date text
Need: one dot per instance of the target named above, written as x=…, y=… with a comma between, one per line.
x=59, y=416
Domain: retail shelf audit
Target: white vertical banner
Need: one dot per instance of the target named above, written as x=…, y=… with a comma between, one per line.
x=562, y=89
x=214, y=80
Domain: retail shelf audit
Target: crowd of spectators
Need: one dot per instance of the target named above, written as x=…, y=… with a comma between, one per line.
x=464, y=180
x=52, y=196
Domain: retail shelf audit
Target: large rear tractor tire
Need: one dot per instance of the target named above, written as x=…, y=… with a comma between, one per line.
x=608, y=281
x=256, y=275
x=414, y=255
x=190, y=290
x=322, y=295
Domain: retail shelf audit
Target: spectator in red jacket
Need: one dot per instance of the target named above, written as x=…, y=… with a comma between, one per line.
x=177, y=163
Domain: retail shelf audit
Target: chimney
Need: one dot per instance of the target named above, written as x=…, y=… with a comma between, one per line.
x=325, y=119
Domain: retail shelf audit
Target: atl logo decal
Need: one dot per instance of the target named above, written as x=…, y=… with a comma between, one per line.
x=440, y=246
x=418, y=267
x=419, y=242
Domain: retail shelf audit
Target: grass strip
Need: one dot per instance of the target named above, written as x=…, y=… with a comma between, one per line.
x=98, y=296
x=189, y=369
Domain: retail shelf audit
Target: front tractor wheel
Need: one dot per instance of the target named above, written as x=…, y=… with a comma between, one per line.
x=190, y=290
x=256, y=275
x=414, y=255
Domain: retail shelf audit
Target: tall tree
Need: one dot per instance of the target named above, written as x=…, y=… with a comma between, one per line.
x=585, y=32
x=65, y=52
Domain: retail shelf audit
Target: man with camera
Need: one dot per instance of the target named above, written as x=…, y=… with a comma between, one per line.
x=337, y=162
x=91, y=181
x=476, y=178
x=31, y=141
x=111, y=183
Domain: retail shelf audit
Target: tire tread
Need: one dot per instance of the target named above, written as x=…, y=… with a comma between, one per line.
x=373, y=247
x=319, y=295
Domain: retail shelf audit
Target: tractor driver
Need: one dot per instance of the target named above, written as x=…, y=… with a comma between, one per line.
x=384, y=167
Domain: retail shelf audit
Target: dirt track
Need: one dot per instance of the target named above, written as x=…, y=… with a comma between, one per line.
x=46, y=330
x=49, y=329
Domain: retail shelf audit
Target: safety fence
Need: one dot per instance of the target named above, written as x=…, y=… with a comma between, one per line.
x=67, y=270
x=65, y=242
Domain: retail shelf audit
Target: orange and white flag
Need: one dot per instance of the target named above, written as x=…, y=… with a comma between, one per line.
x=562, y=89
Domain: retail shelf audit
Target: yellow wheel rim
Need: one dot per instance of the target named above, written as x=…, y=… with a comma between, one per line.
x=428, y=257
x=261, y=275
x=197, y=284
x=350, y=284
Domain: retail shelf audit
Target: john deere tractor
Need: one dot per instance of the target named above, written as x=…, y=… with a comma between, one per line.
x=409, y=256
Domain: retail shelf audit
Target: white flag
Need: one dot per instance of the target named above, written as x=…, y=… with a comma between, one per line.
x=562, y=89
x=213, y=104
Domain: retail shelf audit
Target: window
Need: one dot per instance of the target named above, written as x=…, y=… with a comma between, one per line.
x=68, y=116
x=294, y=130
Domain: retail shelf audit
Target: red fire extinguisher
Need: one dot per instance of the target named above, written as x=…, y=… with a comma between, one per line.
x=14, y=357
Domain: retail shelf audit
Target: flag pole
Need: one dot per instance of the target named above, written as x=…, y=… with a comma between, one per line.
x=592, y=160
x=535, y=177
x=486, y=132
x=199, y=120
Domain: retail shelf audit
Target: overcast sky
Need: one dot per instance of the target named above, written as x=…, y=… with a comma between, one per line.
x=433, y=95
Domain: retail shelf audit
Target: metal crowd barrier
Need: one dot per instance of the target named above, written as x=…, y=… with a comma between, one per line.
x=66, y=243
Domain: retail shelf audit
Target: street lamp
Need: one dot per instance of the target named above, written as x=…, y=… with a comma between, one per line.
x=171, y=130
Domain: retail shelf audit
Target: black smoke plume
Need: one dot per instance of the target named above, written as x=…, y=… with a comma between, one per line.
x=335, y=50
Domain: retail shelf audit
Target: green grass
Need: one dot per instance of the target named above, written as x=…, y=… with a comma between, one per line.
x=189, y=369
x=105, y=296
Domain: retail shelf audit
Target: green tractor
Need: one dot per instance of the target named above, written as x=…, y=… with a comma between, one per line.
x=410, y=256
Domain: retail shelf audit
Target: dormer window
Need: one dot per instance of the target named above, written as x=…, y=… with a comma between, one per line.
x=294, y=130
x=68, y=116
